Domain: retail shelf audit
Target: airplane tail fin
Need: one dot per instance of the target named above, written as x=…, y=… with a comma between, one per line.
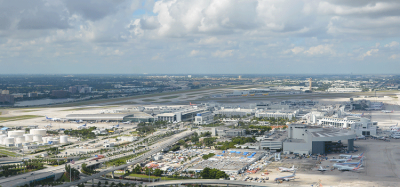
x=362, y=114
x=293, y=167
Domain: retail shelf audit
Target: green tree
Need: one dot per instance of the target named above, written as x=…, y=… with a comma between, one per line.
x=137, y=169
x=158, y=172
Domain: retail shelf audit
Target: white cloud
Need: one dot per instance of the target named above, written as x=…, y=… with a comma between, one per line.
x=222, y=54
x=368, y=53
x=394, y=57
x=157, y=57
x=194, y=52
x=320, y=49
x=209, y=40
x=171, y=30
x=392, y=44
x=118, y=52
x=297, y=50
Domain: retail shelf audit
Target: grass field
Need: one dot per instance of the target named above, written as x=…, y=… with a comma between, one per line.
x=149, y=100
x=86, y=108
x=29, y=110
x=163, y=101
x=127, y=103
x=170, y=97
x=16, y=118
x=8, y=153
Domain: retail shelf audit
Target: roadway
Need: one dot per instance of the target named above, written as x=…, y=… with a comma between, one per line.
x=205, y=182
x=32, y=176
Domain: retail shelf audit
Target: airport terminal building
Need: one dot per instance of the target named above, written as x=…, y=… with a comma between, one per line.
x=304, y=139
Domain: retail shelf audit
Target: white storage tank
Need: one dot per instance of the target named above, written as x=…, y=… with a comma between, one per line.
x=63, y=139
x=16, y=133
x=28, y=137
x=19, y=139
x=37, y=138
x=41, y=132
x=44, y=139
x=8, y=141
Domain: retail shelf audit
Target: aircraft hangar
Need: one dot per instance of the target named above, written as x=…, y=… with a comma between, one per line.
x=305, y=139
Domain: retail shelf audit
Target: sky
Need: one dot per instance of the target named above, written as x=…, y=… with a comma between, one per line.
x=199, y=37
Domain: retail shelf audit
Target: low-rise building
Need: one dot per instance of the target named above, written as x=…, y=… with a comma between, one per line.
x=204, y=118
x=276, y=114
x=234, y=112
x=365, y=128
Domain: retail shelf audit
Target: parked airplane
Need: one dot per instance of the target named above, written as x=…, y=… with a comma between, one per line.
x=53, y=119
x=48, y=126
x=127, y=122
x=115, y=126
x=387, y=111
x=286, y=178
x=82, y=126
x=79, y=121
x=347, y=168
x=354, y=156
x=322, y=169
x=395, y=129
x=395, y=135
x=352, y=163
x=283, y=169
x=192, y=104
x=341, y=160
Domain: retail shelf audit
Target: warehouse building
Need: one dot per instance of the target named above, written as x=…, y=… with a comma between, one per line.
x=304, y=139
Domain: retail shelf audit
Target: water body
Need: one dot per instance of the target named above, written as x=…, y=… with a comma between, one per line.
x=43, y=102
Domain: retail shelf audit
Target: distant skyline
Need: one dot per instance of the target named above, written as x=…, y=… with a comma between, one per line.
x=199, y=37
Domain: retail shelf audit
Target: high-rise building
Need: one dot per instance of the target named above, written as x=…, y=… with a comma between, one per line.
x=6, y=99
x=72, y=89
